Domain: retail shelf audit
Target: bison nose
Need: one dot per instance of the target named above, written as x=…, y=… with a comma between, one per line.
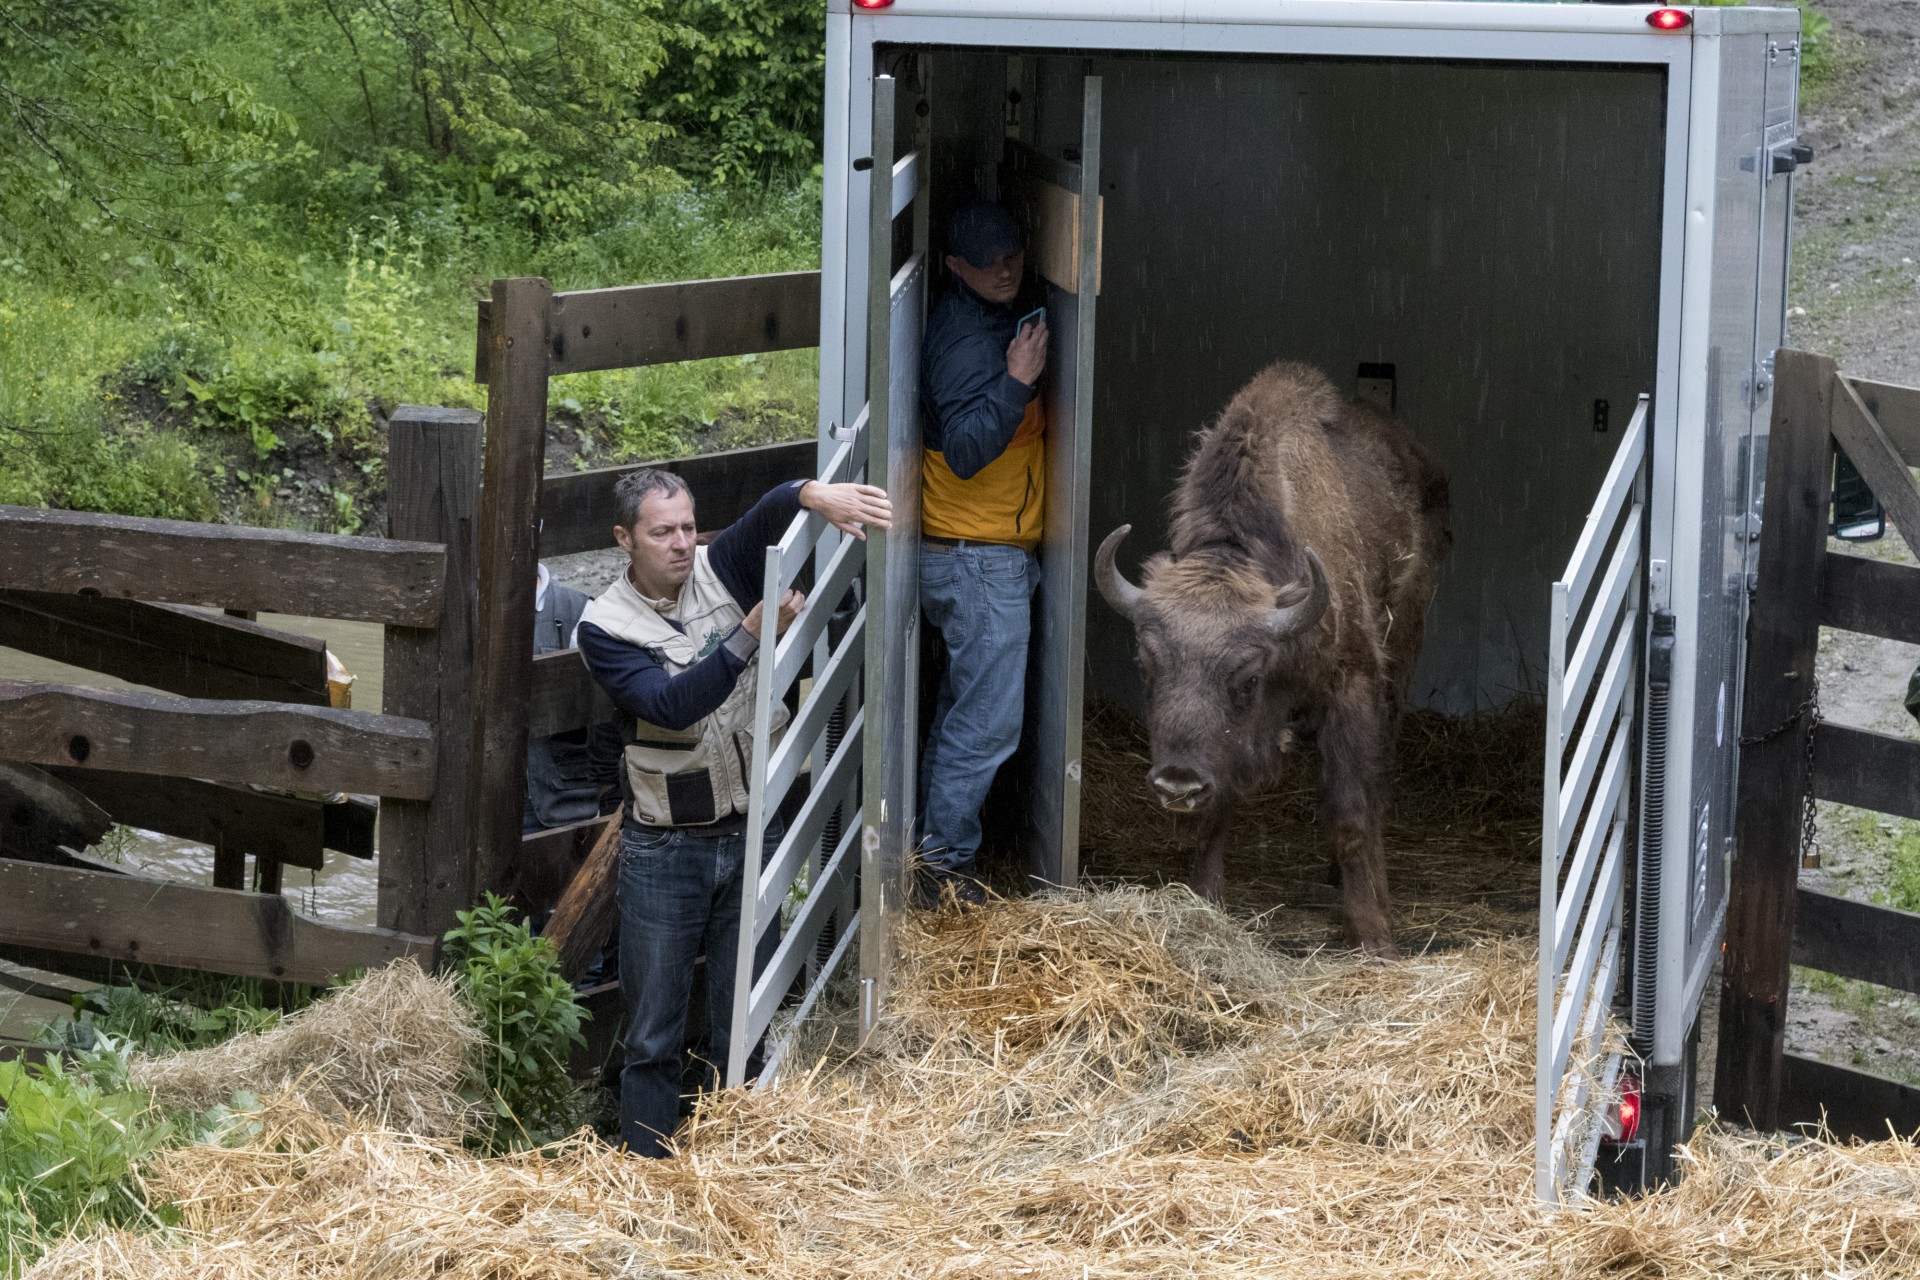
x=1178, y=788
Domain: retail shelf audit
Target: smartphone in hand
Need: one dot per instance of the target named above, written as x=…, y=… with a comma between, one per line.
x=1035, y=317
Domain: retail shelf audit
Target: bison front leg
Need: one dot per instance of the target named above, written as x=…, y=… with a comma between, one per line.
x=1207, y=875
x=1353, y=764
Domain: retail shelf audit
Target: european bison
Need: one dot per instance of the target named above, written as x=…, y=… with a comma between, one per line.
x=1306, y=536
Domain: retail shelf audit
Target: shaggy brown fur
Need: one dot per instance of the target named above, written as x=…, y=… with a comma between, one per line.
x=1291, y=465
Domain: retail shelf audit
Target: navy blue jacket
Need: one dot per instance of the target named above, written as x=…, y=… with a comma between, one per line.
x=634, y=678
x=972, y=404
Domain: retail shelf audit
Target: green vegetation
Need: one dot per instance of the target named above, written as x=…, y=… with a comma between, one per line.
x=511, y=979
x=236, y=234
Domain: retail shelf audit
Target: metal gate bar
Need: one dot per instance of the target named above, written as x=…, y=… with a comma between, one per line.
x=1591, y=671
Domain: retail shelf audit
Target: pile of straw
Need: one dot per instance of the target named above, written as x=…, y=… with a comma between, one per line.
x=390, y=1048
x=1121, y=1084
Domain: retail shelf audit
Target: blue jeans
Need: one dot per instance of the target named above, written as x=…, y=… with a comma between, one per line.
x=981, y=599
x=679, y=895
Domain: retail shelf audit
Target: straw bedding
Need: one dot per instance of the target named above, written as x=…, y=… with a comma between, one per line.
x=1120, y=1083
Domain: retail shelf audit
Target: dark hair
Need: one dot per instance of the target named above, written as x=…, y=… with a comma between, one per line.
x=636, y=485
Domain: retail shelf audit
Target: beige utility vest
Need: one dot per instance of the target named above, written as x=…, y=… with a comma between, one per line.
x=695, y=776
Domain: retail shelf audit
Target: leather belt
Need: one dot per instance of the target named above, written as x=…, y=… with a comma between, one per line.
x=943, y=545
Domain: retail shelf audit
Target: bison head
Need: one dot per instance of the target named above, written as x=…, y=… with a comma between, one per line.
x=1212, y=641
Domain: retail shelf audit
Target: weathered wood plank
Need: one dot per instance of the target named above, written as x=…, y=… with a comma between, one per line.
x=170, y=647
x=563, y=696
x=139, y=921
x=234, y=821
x=39, y=813
x=688, y=320
x=577, y=510
x=1898, y=411
x=507, y=554
x=227, y=566
x=433, y=494
x=1871, y=596
x=269, y=743
x=1878, y=462
x=1857, y=940
x=1785, y=633
x=549, y=858
x=1867, y=770
x=1852, y=1103
x=585, y=914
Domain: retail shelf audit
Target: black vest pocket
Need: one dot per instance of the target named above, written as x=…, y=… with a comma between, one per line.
x=690, y=798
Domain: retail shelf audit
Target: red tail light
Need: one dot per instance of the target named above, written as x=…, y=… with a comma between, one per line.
x=871, y=4
x=1659, y=19
x=1627, y=1116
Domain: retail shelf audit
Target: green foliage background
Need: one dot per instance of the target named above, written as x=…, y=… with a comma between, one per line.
x=234, y=233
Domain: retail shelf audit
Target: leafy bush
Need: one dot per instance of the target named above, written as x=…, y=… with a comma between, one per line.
x=157, y=1023
x=70, y=1135
x=529, y=1016
x=744, y=85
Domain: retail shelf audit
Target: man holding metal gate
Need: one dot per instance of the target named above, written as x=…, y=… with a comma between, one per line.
x=983, y=507
x=674, y=642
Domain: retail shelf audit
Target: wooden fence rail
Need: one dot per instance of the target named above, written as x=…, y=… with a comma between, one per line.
x=1772, y=922
x=229, y=567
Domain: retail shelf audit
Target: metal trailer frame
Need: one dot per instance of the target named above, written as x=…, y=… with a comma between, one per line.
x=1671, y=920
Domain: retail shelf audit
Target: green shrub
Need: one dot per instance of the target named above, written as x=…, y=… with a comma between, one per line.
x=158, y=1023
x=70, y=1136
x=744, y=85
x=530, y=1019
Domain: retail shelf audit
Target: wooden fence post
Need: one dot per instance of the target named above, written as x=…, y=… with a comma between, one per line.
x=508, y=553
x=433, y=490
x=1784, y=636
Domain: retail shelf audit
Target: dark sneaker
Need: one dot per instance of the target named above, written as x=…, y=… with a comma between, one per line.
x=933, y=887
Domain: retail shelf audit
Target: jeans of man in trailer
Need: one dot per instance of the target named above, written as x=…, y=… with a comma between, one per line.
x=980, y=596
x=679, y=896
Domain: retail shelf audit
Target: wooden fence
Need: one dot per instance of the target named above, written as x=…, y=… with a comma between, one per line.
x=1787, y=752
x=242, y=706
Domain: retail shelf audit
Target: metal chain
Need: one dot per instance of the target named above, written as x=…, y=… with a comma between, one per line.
x=1809, y=713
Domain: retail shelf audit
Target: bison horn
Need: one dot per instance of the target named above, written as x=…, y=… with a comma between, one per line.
x=1297, y=618
x=1121, y=594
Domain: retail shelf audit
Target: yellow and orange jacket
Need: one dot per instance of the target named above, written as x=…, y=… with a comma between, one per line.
x=984, y=477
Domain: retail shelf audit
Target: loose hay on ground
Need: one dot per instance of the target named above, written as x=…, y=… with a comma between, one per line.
x=1122, y=1084
x=391, y=1048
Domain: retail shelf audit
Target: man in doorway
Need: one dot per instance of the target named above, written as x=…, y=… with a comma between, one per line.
x=983, y=506
x=674, y=642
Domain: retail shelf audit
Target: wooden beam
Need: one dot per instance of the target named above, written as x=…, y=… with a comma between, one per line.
x=1897, y=409
x=233, y=821
x=1871, y=596
x=39, y=813
x=585, y=915
x=139, y=921
x=433, y=494
x=507, y=554
x=170, y=647
x=1784, y=637
x=1867, y=770
x=649, y=324
x=268, y=743
x=1852, y=1103
x=226, y=566
x=577, y=511
x=1857, y=940
x=549, y=859
x=1878, y=462
x=563, y=695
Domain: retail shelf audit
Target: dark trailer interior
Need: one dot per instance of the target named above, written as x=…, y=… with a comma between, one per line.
x=1476, y=244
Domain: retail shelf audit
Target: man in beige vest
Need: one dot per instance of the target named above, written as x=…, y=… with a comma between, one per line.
x=674, y=642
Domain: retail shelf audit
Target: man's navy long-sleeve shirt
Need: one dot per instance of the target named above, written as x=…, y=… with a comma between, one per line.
x=636, y=681
x=973, y=405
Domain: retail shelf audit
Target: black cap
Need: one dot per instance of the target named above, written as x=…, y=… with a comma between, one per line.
x=982, y=232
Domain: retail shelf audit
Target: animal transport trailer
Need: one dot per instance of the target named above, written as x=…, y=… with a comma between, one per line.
x=1553, y=237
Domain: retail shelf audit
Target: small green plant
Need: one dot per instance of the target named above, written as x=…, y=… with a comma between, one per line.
x=529, y=1017
x=70, y=1135
x=157, y=1023
x=1903, y=868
